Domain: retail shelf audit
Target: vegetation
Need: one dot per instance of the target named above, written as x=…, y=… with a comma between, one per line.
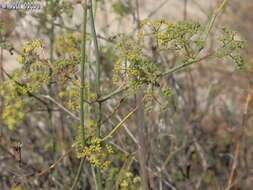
x=85, y=111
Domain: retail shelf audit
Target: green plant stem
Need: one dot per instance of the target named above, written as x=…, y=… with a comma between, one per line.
x=179, y=67
x=51, y=58
x=142, y=135
x=211, y=22
x=1, y=80
x=83, y=60
x=113, y=93
x=78, y=174
x=98, y=62
x=183, y=65
x=120, y=124
x=98, y=88
x=1, y=64
x=206, y=33
x=218, y=11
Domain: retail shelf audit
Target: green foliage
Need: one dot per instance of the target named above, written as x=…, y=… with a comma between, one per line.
x=144, y=61
x=17, y=187
x=69, y=97
x=1, y=27
x=129, y=181
x=135, y=68
x=13, y=108
x=231, y=46
x=125, y=179
x=67, y=45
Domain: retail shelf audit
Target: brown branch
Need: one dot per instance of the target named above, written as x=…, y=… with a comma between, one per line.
x=43, y=172
x=24, y=85
x=232, y=182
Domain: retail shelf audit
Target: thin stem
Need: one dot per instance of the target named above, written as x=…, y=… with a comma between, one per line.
x=179, y=67
x=30, y=94
x=1, y=80
x=157, y=8
x=113, y=93
x=218, y=11
x=211, y=22
x=1, y=65
x=142, y=128
x=83, y=60
x=98, y=89
x=233, y=177
x=79, y=171
x=120, y=123
x=47, y=170
x=207, y=31
x=98, y=63
x=94, y=36
x=52, y=100
x=51, y=51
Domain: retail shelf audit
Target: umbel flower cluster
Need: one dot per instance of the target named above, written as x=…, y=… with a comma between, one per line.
x=141, y=57
x=95, y=151
x=139, y=64
x=13, y=105
x=134, y=65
